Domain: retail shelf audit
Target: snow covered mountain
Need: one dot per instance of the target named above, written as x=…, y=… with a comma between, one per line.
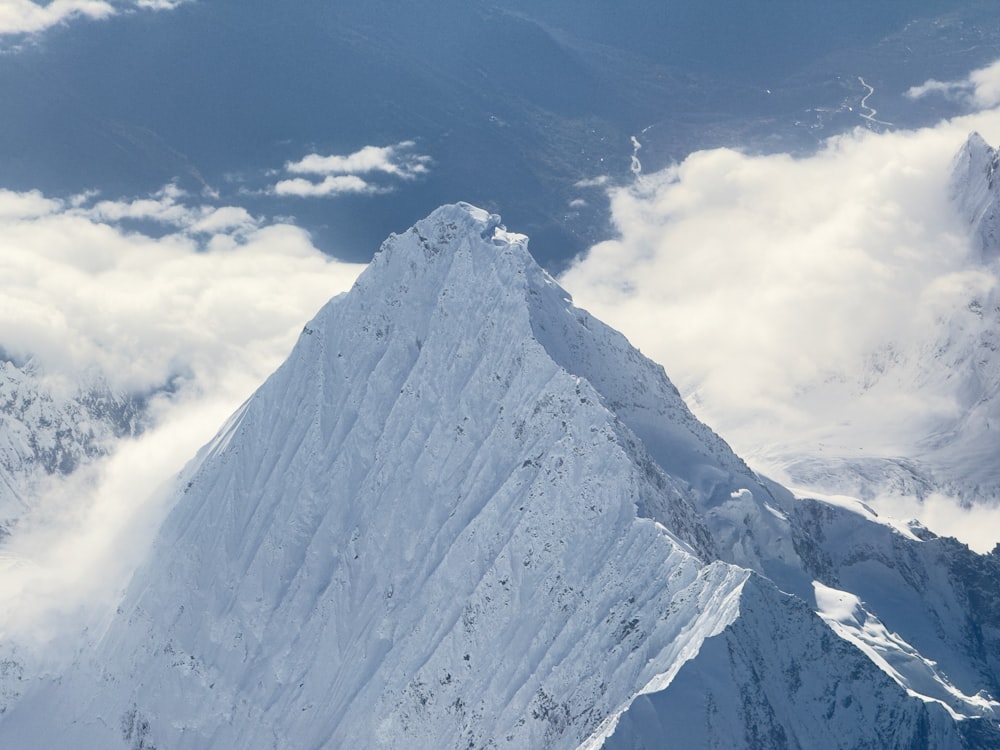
x=975, y=191
x=465, y=513
x=49, y=428
x=949, y=442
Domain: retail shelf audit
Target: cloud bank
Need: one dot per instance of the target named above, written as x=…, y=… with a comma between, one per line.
x=198, y=313
x=363, y=172
x=30, y=17
x=220, y=291
x=791, y=300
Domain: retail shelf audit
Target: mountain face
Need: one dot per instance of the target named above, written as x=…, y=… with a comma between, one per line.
x=975, y=191
x=465, y=513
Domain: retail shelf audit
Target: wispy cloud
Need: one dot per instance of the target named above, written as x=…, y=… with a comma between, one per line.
x=328, y=186
x=981, y=88
x=30, y=17
x=398, y=160
x=599, y=181
x=368, y=171
x=160, y=4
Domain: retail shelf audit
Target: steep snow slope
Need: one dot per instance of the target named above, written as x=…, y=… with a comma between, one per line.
x=421, y=517
x=466, y=514
x=975, y=189
x=786, y=690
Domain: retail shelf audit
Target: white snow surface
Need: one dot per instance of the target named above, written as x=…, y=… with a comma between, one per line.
x=464, y=513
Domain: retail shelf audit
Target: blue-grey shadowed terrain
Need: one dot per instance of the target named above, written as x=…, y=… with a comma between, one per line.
x=514, y=101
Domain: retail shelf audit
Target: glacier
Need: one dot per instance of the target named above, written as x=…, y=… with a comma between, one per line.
x=465, y=513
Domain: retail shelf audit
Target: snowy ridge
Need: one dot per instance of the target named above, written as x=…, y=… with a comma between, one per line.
x=464, y=513
x=914, y=602
x=798, y=686
x=975, y=191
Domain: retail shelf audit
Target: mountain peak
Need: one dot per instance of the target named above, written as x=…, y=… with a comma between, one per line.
x=975, y=192
x=464, y=217
x=453, y=227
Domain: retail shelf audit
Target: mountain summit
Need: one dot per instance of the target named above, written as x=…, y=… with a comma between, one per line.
x=465, y=513
x=975, y=191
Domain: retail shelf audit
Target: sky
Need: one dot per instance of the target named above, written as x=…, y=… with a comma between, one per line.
x=762, y=283
x=28, y=17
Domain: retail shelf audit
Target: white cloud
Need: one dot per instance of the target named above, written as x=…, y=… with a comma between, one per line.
x=210, y=308
x=976, y=525
x=398, y=160
x=30, y=17
x=340, y=173
x=220, y=291
x=599, y=181
x=333, y=185
x=981, y=89
x=168, y=207
x=27, y=205
x=160, y=4
x=64, y=567
x=770, y=287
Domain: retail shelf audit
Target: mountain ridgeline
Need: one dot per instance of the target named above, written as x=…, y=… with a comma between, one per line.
x=466, y=514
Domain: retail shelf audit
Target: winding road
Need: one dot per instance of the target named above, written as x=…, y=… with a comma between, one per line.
x=870, y=115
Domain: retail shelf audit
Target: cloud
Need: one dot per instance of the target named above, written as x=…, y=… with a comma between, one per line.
x=981, y=89
x=793, y=300
x=220, y=290
x=198, y=315
x=333, y=185
x=160, y=4
x=976, y=525
x=26, y=16
x=599, y=181
x=398, y=160
x=65, y=566
x=30, y=17
x=168, y=207
x=341, y=173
